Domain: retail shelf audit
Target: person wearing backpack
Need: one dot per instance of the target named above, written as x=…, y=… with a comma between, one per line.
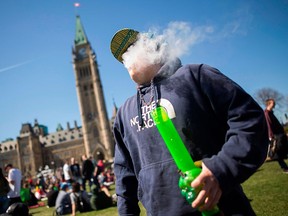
x=63, y=203
x=79, y=199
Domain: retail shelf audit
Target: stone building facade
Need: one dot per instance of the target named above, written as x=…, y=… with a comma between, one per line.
x=35, y=148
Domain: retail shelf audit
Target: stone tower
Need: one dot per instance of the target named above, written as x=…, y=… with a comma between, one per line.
x=29, y=149
x=97, y=134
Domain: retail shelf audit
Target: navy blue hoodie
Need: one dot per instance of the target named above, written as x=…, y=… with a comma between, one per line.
x=219, y=123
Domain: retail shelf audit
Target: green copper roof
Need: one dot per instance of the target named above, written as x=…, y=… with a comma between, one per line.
x=80, y=37
x=59, y=127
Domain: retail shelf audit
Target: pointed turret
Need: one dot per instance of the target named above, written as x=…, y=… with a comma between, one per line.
x=115, y=109
x=114, y=113
x=80, y=37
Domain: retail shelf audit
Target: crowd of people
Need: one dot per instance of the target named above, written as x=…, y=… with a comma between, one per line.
x=85, y=187
x=71, y=188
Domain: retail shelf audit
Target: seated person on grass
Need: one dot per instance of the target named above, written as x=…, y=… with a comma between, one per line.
x=27, y=196
x=52, y=195
x=100, y=198
x=79, y=199
x=63, y=202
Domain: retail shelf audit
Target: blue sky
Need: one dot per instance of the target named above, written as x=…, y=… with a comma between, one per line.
x=248, y=43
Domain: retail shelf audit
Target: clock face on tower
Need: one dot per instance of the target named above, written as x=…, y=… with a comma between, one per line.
x=90, y=116
x=82, y=53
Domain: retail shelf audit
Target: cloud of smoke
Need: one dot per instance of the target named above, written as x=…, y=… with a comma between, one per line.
x=176, y=40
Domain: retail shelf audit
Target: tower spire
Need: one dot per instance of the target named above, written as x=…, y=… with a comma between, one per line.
x=80, y=37
x=95, y=124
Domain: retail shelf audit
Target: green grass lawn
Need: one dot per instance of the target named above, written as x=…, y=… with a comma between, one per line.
x=267, y=188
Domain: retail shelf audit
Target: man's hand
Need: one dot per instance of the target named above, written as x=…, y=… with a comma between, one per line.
x=210, y=192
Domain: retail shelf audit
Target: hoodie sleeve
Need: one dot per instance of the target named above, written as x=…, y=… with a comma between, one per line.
x=126, y=182
x=246, y=140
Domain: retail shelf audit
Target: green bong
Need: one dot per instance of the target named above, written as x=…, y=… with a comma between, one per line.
x=188, y=170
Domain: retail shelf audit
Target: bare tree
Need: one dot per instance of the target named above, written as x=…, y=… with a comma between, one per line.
x=266, y=93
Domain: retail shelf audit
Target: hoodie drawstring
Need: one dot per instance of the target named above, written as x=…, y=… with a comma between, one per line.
x=141, y=101
x=139, y=105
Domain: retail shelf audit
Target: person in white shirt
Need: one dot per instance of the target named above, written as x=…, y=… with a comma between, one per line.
x=67, y=172
x=14, y=178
